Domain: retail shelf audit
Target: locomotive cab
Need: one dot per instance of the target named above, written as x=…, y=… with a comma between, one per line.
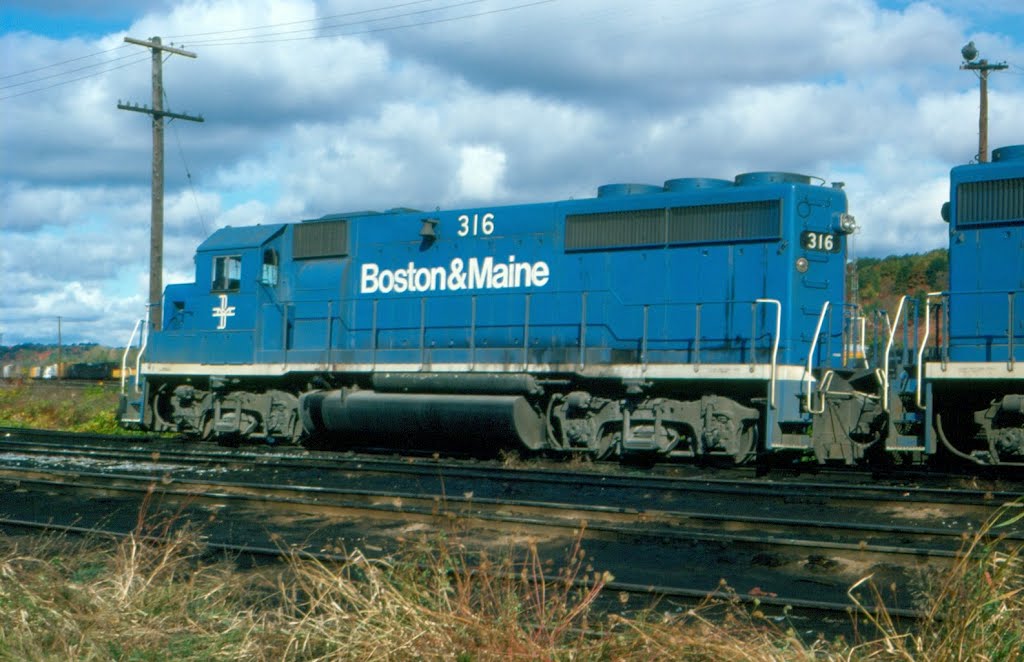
x=970, y=377
x=213, y=320
x=198, y=381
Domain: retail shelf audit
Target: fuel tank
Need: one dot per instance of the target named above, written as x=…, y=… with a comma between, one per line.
x=487, y=419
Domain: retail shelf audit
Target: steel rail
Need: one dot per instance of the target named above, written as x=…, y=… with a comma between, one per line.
x=605, y=470
x=830, y=491
x=604, y=519
x=652, y=590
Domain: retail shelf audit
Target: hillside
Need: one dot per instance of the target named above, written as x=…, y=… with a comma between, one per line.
x=884, y=280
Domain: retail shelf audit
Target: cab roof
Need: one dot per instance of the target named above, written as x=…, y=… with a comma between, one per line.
x=230, y=238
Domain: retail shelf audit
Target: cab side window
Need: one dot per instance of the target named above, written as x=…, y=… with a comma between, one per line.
x=227, y=273
x=269, y=275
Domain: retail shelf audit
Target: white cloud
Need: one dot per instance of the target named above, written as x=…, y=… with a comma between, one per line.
x=480, y=174
x=542, y=103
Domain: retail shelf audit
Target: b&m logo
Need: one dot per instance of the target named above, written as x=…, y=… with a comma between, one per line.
x=477, y=274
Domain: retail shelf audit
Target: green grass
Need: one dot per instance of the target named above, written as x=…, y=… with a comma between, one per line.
x=54, y=406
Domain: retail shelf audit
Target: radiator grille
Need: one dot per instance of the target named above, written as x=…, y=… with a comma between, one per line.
x=995, y=201
x=742, y=221
x=641, y=227
x=738, y=221
x=321, y=239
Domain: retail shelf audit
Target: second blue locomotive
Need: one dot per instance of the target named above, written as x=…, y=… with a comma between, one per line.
x=703, y=317
x=961, y=389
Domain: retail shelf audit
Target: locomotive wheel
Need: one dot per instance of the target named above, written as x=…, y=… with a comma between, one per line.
x=607, y=445
x=207, y=428
x=746, y=447
x=297, y=430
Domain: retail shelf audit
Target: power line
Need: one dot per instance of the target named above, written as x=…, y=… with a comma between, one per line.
x=308, y=20
x=69, y=71
x=66, y=82
x=273, y=37
x=57, y=64
x=322, y=27
x=188, y=174
x=278, y=37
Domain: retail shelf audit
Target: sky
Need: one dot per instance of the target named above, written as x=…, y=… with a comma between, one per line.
x=319, y=106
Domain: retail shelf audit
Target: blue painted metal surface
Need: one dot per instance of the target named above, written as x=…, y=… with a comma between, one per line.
x=497, y=286
x=674, y=300
x=986, y=256
x=612, y=190
x=230, y=238
x=690, y=183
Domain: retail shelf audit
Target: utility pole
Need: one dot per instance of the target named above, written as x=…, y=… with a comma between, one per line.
x=60, y=352
x=983, y=68
x=156, y=227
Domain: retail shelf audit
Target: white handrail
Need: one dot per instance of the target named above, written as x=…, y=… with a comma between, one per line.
x=888, y=348
x=142, y=350
x=924, y=344
x=124, y=358
x=810, y=355
x=826, y=383
x=775, y=345
x=863, y=338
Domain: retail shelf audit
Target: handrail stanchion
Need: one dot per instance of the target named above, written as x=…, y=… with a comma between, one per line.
x=696, y=339
x=643, y=342
x=330, y=335
x=583, y=330
x=423, y=333
x=753, y=335
x=924, y=345
x=888, y=348
x=124, y=357
x=775, y=345
x=864, y=338
x=472, y=333
x=144, y=340
x=373, y=334
x=526, y=334
x=944, y=330
x=1009, y=335
x=810, y=356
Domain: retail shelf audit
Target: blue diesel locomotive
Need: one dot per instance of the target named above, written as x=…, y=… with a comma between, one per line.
x=705, y=317
x=962, y=389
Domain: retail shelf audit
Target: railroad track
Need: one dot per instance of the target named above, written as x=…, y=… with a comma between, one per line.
x=782, y=558
x=883, y=518
x=680, y=591
x=631, y=489
x=818, y=617
x=777, y=468
x=621, y=521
